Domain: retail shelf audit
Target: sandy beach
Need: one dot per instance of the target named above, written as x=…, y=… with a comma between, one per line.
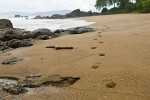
x=119, y=48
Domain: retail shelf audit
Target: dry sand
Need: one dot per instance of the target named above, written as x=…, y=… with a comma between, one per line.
x=125, y=41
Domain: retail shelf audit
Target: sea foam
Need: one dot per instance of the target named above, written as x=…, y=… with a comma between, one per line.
x=52, y=24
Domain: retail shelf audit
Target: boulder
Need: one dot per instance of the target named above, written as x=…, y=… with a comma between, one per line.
x=42, y=31
x=43, y=37
x=2, y=32
x=15, y=43
x=80, y=30
x=3, y=46
x=13, y=34
x=60, y=32
x=5, y=24
x=27, y=35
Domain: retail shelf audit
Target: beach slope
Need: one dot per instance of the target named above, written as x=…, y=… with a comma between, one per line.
x=117, y=52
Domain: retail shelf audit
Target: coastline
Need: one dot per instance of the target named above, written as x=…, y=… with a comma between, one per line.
x=123, y=39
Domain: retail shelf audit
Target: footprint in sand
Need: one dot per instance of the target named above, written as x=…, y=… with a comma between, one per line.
x=135, y=34
x=101, y=54
x=99, y=35
x=95, y=39
x=105, y=28
x=111, y=85
x=96, y=65
x=100, y=42
x=94, y=47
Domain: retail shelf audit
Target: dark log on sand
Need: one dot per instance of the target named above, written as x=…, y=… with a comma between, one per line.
x=58, y=48
x=50, y=47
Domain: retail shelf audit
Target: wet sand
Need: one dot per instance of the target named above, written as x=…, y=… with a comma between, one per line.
x=117, y=52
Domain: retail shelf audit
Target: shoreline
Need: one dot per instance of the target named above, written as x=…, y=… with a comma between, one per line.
x=52, y=24
x=118, y=51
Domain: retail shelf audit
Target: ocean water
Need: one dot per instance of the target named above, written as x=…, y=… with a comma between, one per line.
x=52, y=24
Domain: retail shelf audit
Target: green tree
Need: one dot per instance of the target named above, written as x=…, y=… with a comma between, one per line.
x=143, y=5
x=122, y=3
x=104, y=3
x=113, y=2
x=101, y=3
x=146, y=6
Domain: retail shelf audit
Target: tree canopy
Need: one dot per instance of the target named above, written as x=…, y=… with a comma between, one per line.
x=125, y=5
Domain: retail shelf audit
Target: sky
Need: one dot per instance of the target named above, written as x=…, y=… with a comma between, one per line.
x=45, y=5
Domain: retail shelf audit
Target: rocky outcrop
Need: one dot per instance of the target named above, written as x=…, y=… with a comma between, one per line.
x=15, y=38
x=5, y=24
x=13, y=34
x=15, y=43
x=77, y=30
x=40, y=32
x=27, y=35
x=43, y=37
x=57, y=16
x=80, y=30
x=73, y=14
x=14, y=89
x=3, y=46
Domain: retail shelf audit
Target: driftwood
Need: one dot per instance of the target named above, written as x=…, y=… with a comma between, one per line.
x=50, y=47
x=58, y=48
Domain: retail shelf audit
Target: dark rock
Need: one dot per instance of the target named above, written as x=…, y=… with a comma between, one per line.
x=42, y=17
x=5, y=24
x=2, y=32
x=43, y=37
x=42, y=31
x=13, y=34
x=77, y=30
x=11, y=61
x=15, y=43
x=57, y=16
x=3, y=46
x=111, y=85
x=80, y=30
x=59, y=31
x=1, y=37
x=31, y=82
x=14, y=89
x=27, y=35
x=17, y=16
x=73, y=14
x=54, y=35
